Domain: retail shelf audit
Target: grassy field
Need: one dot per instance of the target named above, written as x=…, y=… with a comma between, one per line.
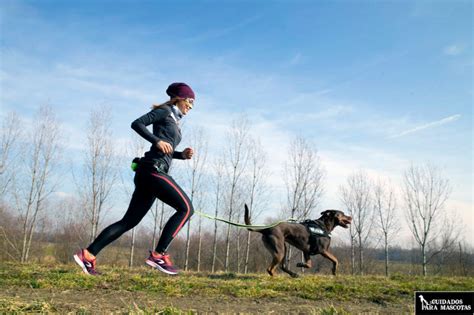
x=63, y=289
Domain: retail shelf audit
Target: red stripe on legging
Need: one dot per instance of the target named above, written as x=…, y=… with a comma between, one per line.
x=185, y=201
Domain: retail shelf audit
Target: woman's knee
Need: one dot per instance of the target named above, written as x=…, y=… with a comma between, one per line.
x=191, y=211
x=186, y=208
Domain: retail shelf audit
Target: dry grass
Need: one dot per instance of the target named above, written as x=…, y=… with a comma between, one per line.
x=64, y=288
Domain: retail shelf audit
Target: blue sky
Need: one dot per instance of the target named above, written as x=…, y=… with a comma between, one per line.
x=376, y=85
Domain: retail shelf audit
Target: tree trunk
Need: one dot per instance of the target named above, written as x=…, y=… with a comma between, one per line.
x=188, y=242
x=94, y=206
x=214, y=247
x=423, y=253
x=247, y=252
x=24, y=246
x=302, y=259
x=93, y=227
x=199, y=245
x=227, y=248
x=132, y=248
x=386, y=255
x=227, y=239
x=238, y=251
x=153, y=240
x=462, y=264
x=361, y=256
x=352, y=257
x=162, y=217
x=31, y=231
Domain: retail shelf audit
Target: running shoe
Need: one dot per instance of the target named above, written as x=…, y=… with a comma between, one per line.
x=162, y=262
x=87, y=265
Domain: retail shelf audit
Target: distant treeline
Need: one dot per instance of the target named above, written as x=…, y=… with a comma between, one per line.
x=58, y=247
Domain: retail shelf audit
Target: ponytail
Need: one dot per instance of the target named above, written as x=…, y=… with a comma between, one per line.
x=172, y=101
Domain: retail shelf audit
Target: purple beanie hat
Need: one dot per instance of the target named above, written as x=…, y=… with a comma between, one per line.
x=180, y=89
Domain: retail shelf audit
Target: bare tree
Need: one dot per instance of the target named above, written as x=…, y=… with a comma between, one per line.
x=303, y=175
x=445, y=245
x=236, y=158
x=99, y=174
x=195, y=174
x=199, y=204
x=10, y=135
x=356, y=196
x=258, y=189
x=218, y=182
x=425, y=194
x=385, y=205
x=462, y=260
x=352, y=236
x=41, y=157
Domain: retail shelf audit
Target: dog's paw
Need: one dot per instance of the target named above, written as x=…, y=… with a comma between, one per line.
x=301, y=265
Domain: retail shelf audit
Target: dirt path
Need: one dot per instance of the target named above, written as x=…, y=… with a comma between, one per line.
x=105, y=300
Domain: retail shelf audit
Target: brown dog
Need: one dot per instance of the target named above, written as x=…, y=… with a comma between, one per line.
x=299, y=236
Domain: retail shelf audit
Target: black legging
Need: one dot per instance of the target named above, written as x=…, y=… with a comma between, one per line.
x=149, y=185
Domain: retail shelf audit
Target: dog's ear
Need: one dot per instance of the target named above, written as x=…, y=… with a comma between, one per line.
x=328, y=212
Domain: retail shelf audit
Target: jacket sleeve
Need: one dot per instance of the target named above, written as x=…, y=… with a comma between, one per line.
x=178, y=155
x=139, y=124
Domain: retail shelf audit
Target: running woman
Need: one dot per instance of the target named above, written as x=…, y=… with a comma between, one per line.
x=152, y=181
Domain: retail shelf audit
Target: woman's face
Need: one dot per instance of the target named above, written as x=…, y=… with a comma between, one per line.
x=185, y=105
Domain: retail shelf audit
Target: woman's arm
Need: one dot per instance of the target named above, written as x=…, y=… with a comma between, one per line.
x=186, y=154
x=139, y=124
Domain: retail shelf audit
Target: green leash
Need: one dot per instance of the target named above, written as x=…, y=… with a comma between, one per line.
x=254, y=227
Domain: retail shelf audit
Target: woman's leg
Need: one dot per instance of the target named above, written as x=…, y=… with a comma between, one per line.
x=141, y=202
x=168, y=191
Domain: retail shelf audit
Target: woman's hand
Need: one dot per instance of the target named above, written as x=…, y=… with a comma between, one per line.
x=188, y=153
x=164, y=147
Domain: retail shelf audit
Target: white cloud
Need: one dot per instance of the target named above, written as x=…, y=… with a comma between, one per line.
x=428, y=125
x=453, y=50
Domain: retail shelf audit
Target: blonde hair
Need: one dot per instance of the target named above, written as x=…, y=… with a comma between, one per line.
x=172, y=101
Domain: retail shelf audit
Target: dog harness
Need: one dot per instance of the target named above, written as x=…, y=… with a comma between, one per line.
x=316, y=229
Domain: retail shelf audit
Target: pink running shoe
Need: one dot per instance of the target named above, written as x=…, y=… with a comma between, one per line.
x=87, y=265
x=162, y=262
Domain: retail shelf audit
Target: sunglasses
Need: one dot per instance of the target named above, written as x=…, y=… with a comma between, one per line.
x=190, y=102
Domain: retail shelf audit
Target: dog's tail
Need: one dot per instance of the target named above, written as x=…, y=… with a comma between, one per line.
x=247, y=219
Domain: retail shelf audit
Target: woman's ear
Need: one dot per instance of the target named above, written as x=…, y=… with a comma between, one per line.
x=175, y=100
